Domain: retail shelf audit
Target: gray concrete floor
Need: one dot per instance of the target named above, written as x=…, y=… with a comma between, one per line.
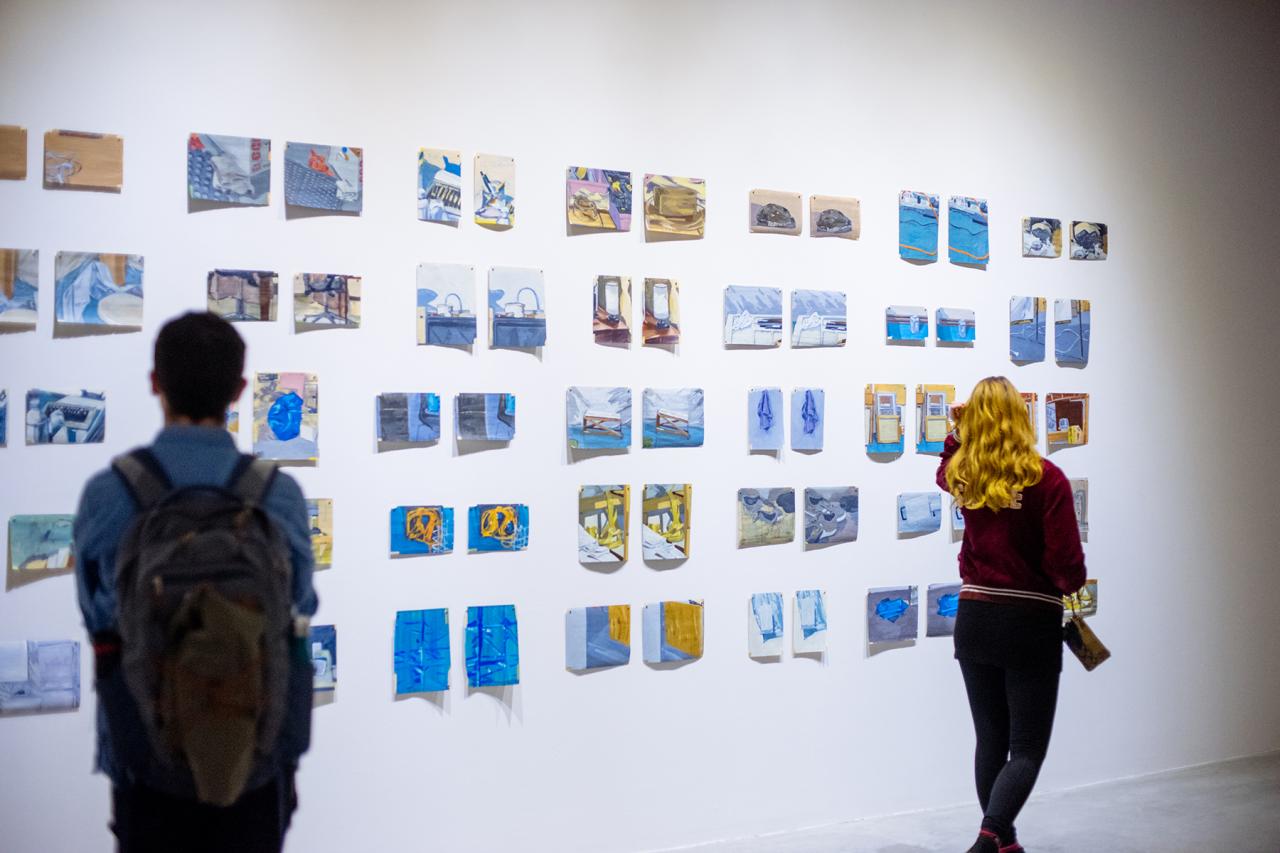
x=1231, y=806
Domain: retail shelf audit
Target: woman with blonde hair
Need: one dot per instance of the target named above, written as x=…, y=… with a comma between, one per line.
x=1021, y=553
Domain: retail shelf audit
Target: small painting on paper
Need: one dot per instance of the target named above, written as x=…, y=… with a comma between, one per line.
x=1083, y=602
x=906, y=323
x=883, y=418
x=1066, y=419
x=4, y=417
x=53, y=417
x=497, y=527
x=596, y=637
x=324, y=658
x=661, y=311
x=326, y=301
x=494, y=194
x=809, y=622
x=13, y=152
x=917, y=226
x=968, y=238
x=942, y=603
x=243, y=295
x=39, y=676
x=664, y=521
x=673, y=417
x=611, y=309
x=933, y=416
x=1071, y=321
x=517, y=308
x=1041, y=237
x=41, y=544
x=286, y=416
x=766, y=516
x=440, y=186
x=19, y=287
x=320, y=519
x=808, y=417
x=892, y=614
x=324, y=177
x=765, y=421
x=603, y=513
x=955, y=326
x=446, y=305
x=752, y=316
x=1088, y=241
x=1031, y=399
x=672, y=631
x=493, y=646
x=830, y=515
x=421, y=530
x=675, y=207
x=919, y=512
x=98, y=290
x=957, y=519
x=1026, y=329
x=597, y=199
x=765, y=630
x=818, y=318
x=835, y=216
x=774, y=212
x=74, y=160
x=229, y=169
x=422, y=656
x=1080, y=497
x=598, y=418
x=484, y=417
x=412, y=418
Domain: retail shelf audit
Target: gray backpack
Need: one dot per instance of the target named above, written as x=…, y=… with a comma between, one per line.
x=205, y=621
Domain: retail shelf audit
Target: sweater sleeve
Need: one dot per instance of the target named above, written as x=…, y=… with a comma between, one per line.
x=1063, y=557
x=949, y=448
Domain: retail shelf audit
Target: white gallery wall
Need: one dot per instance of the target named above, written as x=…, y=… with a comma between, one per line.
x=1156, y=118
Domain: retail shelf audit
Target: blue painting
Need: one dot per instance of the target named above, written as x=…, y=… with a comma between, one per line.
x=324, y=657
x=92, y=289
x=1071, y=331
x=39, y=676
x=446, y=309
x=598, y=418
x=484, y=417
x=892, y=614
x=4, y=417
x=408, y=418
x=1088, y=241
x=917, y=226
x=955, y=325
x=830, y=515
x=808, y=416
x=967, y=231
x=1026, y=328
x=229, y=169
x=764, y=625
x=809, y=622
x=1041, y=237
x=493, y=647
x=422, y=651
x=56, y=418
x=421, y=530
x=919, y=512
x=957, y=517
x=286, y=416
x=906, y=323
x=517, y=308
x=41, y=543
x=597, y=637
x=942, y=603
x=497, y=527
x=818, y=318
x=673, y=631
x=752, y=316
x=494, y=192
x=324, y=177
x=19, y=284
x=765, y=430
x=673, y=417
x=439, y=186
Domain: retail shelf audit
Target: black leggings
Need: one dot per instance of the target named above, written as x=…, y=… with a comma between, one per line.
x=1013, y=718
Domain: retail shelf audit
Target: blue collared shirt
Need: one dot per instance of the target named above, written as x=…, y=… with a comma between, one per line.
x=191, y=456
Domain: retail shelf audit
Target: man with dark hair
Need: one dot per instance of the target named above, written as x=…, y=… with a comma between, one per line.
x=199, y=366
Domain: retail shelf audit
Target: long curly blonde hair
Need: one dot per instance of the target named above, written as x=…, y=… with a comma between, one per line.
x=997, y=457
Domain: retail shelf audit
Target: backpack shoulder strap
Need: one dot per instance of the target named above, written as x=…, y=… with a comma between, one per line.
x=251, y=479
x=144, y=476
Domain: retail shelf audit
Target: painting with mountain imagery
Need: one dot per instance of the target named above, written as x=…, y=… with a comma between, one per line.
x=917, y=226
x=818, y=318
x=598, y=418
x=673, y=417
x=968, y=231
x=752, y=316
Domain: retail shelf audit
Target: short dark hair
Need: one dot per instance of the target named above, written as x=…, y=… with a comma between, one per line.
x=199, y=361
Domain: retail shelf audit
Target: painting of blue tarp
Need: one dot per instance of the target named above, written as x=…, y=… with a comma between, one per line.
x=439, y=186
x=422, y=651
x=596, y=637
x=818, y=318
x=229, y=169
x=955, y=325
x=598, y=418
x=286, y=416
x=53, y=417
x=484, y=417
x=967, y=231
x=830, y=515
x=19, y=284
x=324, y=177
x=39, y=676
x=808, y=415
x=408, y=418
x=917, y=226
x=919, y=512
x=497, y=527
x=752, y=316
x=1041, y=237
x=493, y=646
x=98, y=289
x=906, y=323
x=809, y=622
x=942, y=602
x=673, y=417
x=324, y=657
x=1026, y=328
x=764, y=625
x=446, y=308
x=1088, y=241
x=517, y=308
x=1071, y=331
x=41, y=543
x=892, y=614
x=765, y=421
x=421, y=530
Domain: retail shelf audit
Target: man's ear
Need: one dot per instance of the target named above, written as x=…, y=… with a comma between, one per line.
x=240, y=386
x=155, y=384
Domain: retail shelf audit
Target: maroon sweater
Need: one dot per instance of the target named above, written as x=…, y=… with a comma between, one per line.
x=1029, y=554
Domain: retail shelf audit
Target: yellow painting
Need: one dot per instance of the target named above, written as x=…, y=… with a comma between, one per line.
x=675, y=207
x=83, y=161
x=13, y=152
x=320, y=516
